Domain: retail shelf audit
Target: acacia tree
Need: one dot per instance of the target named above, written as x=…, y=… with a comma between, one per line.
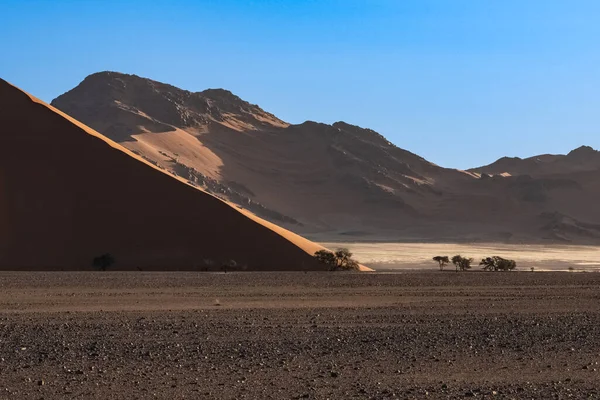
x=231, y=264
x=340, y=260
x=456, y=260
x=462, y=263
x=442, y=261
x=466, y=263
x=496, y=263
x=488, y=264
x=508, y=265
x=103, y=262
x=326, y=257
x=344, y=259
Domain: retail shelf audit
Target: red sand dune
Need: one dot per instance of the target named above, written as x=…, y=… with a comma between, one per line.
x=68, y=194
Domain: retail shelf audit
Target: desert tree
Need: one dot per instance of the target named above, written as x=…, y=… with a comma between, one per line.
x=496, y=263
x=465, y=263
x=326, y=257
x=207, y=264
x=456, y=260
x=442, y=261
x=231, y=264
x=488, y=264
x=103, y=262
x=506, y=265
x=462, y=263
x=340, y=260
x=344, y=259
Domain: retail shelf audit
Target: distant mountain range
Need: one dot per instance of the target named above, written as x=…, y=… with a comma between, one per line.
x=338, y=181
x=581, y=159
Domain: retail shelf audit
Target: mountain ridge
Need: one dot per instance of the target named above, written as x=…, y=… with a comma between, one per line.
x=326, y=180
x=583, y=158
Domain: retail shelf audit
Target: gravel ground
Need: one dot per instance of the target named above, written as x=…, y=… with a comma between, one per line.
x=292, y=335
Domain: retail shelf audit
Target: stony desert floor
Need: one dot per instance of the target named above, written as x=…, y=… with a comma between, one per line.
x=415, y=335
x=402, y=256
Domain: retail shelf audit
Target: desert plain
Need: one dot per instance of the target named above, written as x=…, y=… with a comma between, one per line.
x=409, y=256
x=303, y=335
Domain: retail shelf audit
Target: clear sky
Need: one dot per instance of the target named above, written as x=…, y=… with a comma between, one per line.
x=459, y=82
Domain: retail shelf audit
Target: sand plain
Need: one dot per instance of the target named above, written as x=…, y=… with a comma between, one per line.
x=315, y=335
x=408, y=256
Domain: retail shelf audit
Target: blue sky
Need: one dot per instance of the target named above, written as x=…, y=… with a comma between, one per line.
x=459, y=82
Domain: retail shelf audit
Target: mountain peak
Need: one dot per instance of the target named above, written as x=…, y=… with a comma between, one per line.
x=107, y=74
x=583, y=151
x=108, y=78
x=583, y=158
x=219, y=93
x=145, y=105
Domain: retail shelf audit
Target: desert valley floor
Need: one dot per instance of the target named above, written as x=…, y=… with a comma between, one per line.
x=315, y=335
x=410, y=256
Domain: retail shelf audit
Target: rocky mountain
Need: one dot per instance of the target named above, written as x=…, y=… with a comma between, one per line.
x=329, y=181
x=581, y=159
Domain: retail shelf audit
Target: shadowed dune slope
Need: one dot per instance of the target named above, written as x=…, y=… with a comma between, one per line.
x=68, y=194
